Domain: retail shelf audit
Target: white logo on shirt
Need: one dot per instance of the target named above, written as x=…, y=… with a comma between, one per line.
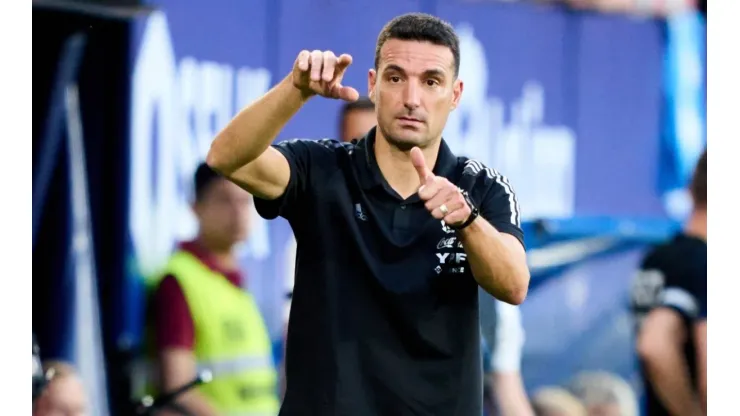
x=359, y=214
x=446, y=228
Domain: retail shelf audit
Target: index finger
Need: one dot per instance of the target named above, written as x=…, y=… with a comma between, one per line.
x=343, y=62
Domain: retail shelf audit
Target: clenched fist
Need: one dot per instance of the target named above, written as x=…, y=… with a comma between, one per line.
x=321, y=73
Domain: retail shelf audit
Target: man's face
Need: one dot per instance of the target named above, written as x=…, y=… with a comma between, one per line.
x=356, y=123
x=414, y=90
x=65, y=396
x=223, y=213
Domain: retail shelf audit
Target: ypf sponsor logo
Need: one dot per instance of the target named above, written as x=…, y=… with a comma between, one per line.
x=450, y=256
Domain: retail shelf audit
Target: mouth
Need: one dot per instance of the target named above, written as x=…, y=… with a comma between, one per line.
x=411, y=120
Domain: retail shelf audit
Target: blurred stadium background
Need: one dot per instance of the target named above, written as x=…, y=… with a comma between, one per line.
x=594, y=110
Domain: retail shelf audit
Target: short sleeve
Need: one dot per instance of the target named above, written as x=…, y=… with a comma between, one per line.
x=306, y=158
x=686, y=292
x=297, y=152
x=173, y=324
x=500, y=206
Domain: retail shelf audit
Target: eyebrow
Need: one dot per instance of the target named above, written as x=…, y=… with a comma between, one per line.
x=428, y=72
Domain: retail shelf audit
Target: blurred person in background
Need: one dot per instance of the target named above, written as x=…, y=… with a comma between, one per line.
x=556, y=401
x=382, y=322
x=502, y=338
x=604, y=394
x=669, y=303
x=202, y=318
x=356, y=119
x=64, y=393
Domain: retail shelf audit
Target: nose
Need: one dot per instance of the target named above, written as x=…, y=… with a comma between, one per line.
x=412, y=96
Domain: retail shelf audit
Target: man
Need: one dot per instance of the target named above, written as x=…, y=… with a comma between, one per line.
x=203, y=319
x=394, y=233
x=504, y=392
x=669, y=300
x=501, y=325
x=356, y=118
x=64, y=394
x=503, y=339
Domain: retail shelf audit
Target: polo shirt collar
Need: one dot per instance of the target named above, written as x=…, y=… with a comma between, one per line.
x=369, y=172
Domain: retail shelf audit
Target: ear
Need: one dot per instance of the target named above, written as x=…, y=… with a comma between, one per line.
x=457, y=90
x=372, y=79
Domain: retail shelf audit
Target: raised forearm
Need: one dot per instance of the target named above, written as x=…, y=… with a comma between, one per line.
x=497, y=267
x=255, y=127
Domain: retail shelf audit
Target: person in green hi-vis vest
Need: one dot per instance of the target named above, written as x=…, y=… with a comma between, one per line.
x=202, y=319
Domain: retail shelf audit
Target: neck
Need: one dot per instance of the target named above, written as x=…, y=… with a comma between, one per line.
x=223, y=256
x=696, y=226
x=396, y=167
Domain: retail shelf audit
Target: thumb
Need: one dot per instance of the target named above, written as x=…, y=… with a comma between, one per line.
x=341, y=92
x=417, y=159
x=348, y=94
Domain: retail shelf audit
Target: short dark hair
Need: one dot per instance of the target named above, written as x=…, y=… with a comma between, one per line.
x=420, y=27
x=698, y=185
x=204, y=176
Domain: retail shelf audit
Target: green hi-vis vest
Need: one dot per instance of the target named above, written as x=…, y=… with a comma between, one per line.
x=231, y=340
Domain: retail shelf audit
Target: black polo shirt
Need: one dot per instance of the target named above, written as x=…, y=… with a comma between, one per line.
x=672, y=275
x=384, y=316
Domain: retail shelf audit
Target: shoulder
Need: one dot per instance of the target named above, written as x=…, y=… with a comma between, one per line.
x=314, y=154
x=483, y=178
x=315, y=146
x=488, y=187
x=679, y=252
x=168, y=289
x=169, y=303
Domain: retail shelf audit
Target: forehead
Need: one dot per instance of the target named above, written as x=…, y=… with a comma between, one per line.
x=416, y=56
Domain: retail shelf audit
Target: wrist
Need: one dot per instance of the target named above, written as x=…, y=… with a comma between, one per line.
x=296, y=93
x=472, y=227
x=474, y=213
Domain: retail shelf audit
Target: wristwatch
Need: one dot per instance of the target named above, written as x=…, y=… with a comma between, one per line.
x=474, y=212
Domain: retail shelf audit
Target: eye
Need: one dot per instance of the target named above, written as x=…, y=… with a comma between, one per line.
x=432, y=82
x=395, y=78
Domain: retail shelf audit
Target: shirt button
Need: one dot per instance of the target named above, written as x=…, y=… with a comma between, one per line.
x=403, y=206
